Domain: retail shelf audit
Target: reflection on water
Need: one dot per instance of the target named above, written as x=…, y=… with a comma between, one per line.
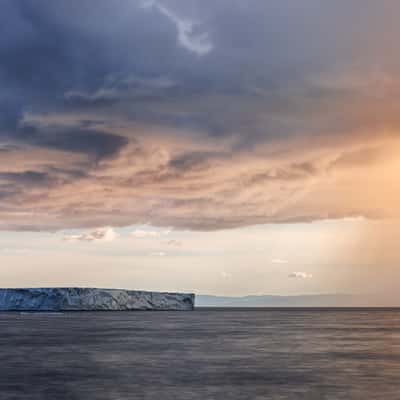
x=205, y=354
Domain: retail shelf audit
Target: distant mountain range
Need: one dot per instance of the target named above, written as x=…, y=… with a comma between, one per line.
x=319, y=300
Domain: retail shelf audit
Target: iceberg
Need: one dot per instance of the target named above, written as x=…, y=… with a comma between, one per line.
x=91, y=299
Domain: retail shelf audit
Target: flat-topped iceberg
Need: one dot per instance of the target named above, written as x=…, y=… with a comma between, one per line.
x=91, y=299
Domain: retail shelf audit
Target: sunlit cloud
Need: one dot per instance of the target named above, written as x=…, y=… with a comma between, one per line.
x=141, y=233
x=279, y=261
x=225, y=275
x=300, y=275
x=106, y=234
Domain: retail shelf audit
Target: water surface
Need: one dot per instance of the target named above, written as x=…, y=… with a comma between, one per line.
x=205, y=354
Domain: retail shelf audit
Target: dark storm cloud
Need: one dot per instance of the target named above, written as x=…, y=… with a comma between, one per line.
x=49, y=48
x=56, y=51
x=14, y=185
x=196, y=160
x=7, y=148
x=94, y=143
x=26, y=177
x=98, y=144
x=237, y=108
x=55, y=54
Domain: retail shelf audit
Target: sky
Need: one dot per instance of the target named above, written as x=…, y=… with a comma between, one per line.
x=224, y=147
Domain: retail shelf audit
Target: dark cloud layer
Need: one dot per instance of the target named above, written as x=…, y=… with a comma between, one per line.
x=196, y=114
x=93, y=143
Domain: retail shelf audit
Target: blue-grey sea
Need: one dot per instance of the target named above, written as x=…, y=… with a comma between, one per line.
x=206, y=354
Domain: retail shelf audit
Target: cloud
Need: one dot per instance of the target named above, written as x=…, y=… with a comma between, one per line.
x=106, y=234
x=196, y=42
x=225, y=275
x=26, y=177
x=210, y=127
x=6, y=148
x=140, y=233
x=93, y=143
x=279, y=261
x=300, y=275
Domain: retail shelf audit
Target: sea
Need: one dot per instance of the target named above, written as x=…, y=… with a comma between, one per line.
x=205, y=354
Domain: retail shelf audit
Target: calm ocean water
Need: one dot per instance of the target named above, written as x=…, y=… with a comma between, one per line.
x=205, y=354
